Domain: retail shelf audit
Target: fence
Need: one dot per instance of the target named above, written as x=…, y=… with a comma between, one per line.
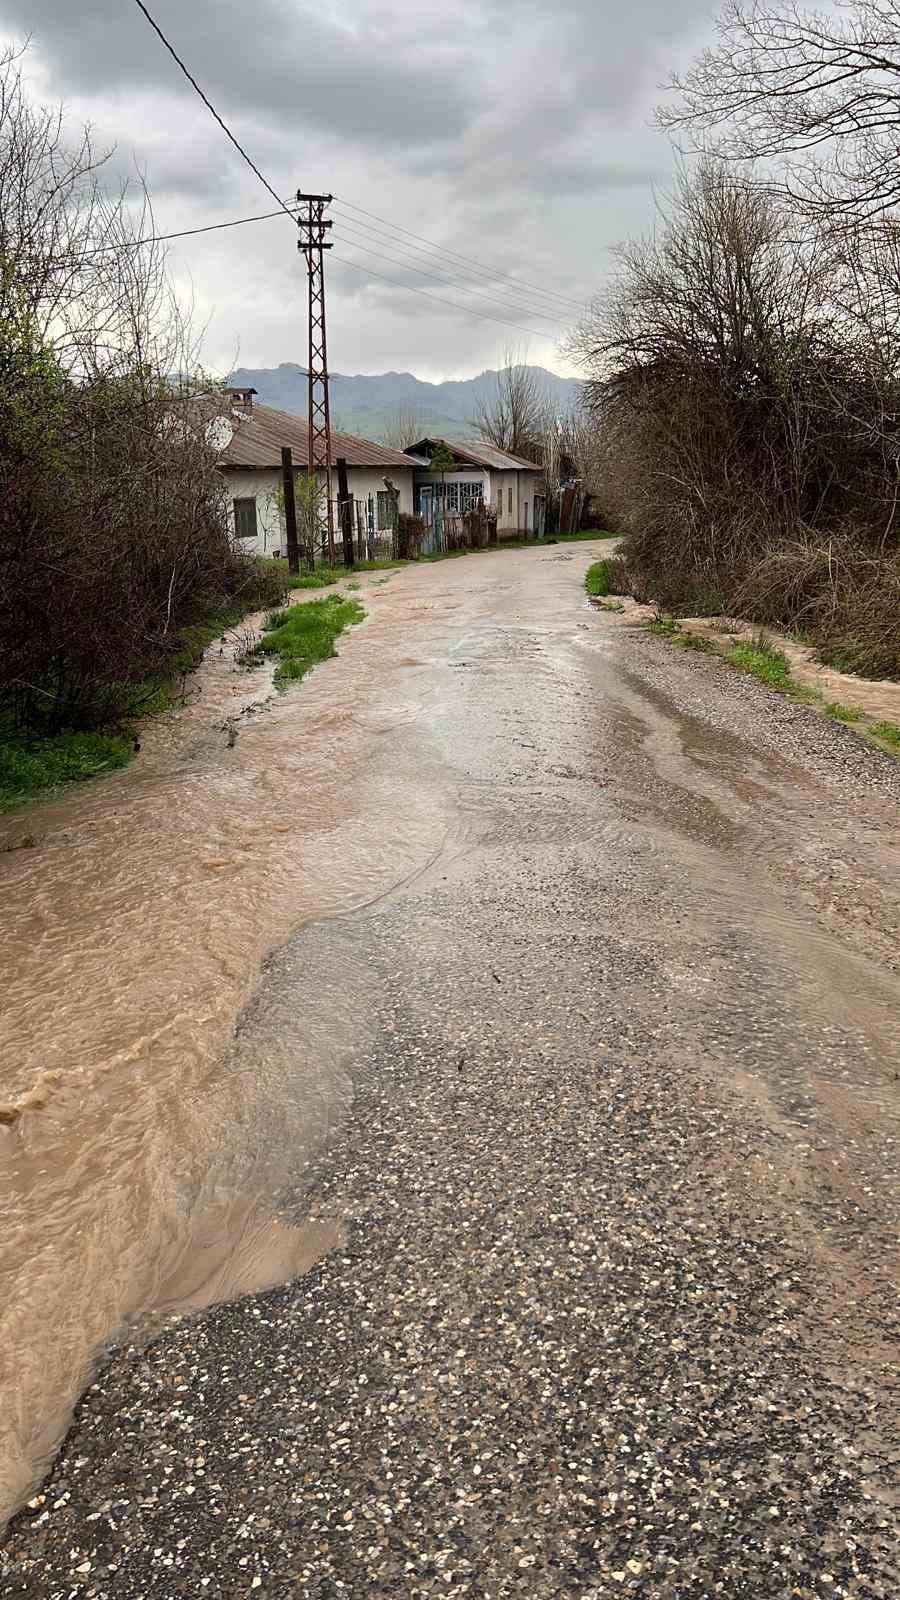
x=377, y=534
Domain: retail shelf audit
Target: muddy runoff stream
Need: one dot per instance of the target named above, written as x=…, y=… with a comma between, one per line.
x=153, y=1158
x=167, y=1096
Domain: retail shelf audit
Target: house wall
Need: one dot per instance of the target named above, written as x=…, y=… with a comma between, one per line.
x=507, y=520
x=511, y=516
x=264, y=483
x=465, y=475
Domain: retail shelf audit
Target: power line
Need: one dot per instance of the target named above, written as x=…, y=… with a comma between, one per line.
x=185, y=233
x=413, y=263
x=493, y=276
x=264, y=216
x=462, y=288
x=210, y=107
x=469, y=260
x=454, y=304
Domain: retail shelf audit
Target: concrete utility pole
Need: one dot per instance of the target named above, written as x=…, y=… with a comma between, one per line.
x=313, y=243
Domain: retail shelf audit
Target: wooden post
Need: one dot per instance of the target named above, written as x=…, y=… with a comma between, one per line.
x=345, y=510
x=290, y=509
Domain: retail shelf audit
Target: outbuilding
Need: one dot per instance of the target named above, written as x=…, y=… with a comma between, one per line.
x=510, y=487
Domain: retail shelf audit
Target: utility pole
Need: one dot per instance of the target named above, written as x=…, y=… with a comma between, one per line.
x=345, y=511
x=290, y=509
x=313, y=243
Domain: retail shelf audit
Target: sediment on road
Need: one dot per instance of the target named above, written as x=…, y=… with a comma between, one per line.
x=612, y=1304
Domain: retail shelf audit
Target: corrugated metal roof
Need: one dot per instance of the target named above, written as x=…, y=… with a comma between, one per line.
x=260, y=435
x=481, y=454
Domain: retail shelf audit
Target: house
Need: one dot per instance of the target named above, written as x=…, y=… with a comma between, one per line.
x=250, y=460
x=482, y=475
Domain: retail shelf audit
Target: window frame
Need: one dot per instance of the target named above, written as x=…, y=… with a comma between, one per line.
x=239, y=508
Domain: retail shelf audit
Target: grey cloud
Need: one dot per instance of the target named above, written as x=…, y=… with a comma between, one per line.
x=510, y=130
x=271, y=61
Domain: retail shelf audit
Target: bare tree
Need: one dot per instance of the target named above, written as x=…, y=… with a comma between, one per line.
x=514, y=417
x=405, y=426
x=819, y=89
x=743, y=379
x=113, y=534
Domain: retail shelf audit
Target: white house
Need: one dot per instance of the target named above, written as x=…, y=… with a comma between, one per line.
x=250, y=461
x=482, y=474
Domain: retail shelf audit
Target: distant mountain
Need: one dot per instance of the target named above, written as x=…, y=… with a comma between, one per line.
x=367, y=404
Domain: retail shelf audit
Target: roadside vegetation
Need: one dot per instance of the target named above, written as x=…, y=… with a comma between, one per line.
x=757, y=655
x=600, y=578
x=304, y=634
x=116, y=565
x=744, y=367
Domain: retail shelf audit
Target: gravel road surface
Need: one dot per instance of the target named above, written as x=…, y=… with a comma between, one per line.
x=615, y=1308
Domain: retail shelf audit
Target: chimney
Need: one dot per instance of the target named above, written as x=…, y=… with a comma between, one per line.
x=241, y=399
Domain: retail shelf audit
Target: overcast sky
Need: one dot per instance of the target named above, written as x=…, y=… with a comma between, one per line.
x=512, y=132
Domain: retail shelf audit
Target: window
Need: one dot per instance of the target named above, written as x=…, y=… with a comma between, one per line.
x=245, y=518
x=385, y=519
x=470, y=496
x=509, y=500
x=451, y=496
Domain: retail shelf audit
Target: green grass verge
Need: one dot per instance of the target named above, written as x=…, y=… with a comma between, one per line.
x=842, y=713
x=598, y=579
x=764, y=661
x=665, y=626
x=322, y=578
x=29, y=767
x=761, y=659
x=304, y=634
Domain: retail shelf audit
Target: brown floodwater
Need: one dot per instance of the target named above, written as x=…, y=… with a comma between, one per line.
x=144, y=1146
x=166, y=1091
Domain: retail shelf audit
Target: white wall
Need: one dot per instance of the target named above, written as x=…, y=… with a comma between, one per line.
x=263, y=484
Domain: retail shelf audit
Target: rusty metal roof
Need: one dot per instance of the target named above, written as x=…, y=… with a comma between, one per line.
x=479, y=454
x=260, y=434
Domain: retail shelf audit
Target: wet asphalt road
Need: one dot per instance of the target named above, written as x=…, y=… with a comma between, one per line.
x=616, y=1309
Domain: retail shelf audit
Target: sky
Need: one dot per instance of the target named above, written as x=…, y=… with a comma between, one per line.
x=514, y=133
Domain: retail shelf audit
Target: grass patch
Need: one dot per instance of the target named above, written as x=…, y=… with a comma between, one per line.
x=610, y=605
x=322, y=578
x=692, y=641
x=598, y=579
x=842, y=713
x=664, y=625
x=888, y=732
x=30, y=766
x=763, y=661
x=305, y=634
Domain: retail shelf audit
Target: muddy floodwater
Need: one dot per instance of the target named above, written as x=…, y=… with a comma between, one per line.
x=159, y=1126
x=150, y=1157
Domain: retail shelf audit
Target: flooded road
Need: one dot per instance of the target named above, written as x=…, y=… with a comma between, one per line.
x=167, y=1095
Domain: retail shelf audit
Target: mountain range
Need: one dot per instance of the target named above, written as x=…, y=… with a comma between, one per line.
x=369, y=404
